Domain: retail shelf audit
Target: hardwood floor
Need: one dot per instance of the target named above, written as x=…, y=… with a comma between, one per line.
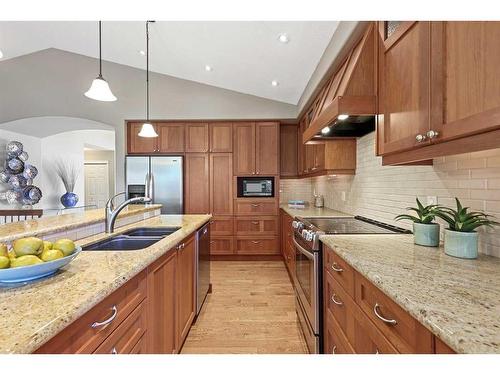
x=251, y=310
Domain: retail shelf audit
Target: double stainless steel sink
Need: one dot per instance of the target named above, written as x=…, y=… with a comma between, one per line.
x=133, y=239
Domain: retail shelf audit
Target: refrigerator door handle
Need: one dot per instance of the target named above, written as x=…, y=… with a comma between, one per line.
x=149, y=188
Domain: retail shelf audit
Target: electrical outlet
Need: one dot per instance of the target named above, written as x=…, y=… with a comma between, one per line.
x=343, y=196
x=432, y=200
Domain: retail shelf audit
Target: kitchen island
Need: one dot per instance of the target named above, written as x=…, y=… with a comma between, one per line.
x=34, y=313
x=457, y=300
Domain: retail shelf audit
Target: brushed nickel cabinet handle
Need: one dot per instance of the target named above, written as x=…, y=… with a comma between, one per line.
x=334, y=349
x=336, y=267
x=114, y=311
x=338, y=303
x=255, y=204
x=255, y=242
x=114, y=351
x=385, y=320
x=255, y=222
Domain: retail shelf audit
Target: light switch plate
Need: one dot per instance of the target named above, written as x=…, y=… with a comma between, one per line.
x=432, y=200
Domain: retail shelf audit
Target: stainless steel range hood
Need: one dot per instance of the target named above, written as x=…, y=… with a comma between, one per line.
x=347, y=104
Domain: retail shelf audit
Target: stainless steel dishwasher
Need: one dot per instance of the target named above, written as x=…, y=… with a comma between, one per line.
x=202, y=265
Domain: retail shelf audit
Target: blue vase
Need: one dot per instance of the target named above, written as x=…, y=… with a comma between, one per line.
x=69, y=199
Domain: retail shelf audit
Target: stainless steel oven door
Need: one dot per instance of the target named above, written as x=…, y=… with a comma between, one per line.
x=307, y=286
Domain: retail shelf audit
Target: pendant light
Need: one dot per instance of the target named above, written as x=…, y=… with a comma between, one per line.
x=99, y=90
x=147, y=129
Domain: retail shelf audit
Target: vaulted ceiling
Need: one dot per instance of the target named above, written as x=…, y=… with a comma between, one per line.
x=244, y=56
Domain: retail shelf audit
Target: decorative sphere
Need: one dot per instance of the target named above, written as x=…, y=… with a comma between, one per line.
x=4, y=176
x=12, y=196
x=23, y=156
x=30, y=171
x=18, y=181
x=14, y=148
x=14, y=166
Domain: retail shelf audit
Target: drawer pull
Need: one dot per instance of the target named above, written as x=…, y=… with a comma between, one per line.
x=336, y=267
x=255, y=204
x=114, y=351
x=334, y=349
x=255, y=242
x=377, y=352
x=255, y=222
x=107, y=321
x=338, y=303
x=388, y=321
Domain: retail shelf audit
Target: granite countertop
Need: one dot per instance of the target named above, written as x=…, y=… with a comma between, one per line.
x=34, y=313
x=51, y=224
x=456, y=299
x=311, y=211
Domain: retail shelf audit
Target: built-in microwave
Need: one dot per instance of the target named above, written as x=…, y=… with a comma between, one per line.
x=255, y=187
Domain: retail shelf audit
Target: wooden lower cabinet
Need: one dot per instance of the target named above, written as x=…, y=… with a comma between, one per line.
x=221, y=226
x=256, y=225
x=221, y=245
x=353, y=310
x=185, y=289
x=162, y=306
x=257, y=245
x=151, y=313
x=286, y=244
x=264, y=206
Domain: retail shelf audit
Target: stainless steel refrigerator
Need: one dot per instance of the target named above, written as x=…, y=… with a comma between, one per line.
x=159, y=177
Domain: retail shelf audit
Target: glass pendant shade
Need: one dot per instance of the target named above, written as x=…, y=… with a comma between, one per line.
x=99, y=90
x=147, y=131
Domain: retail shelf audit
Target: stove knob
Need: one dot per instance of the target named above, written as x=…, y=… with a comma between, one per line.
x=295, y=224
x=304, y=233
x=309, y=236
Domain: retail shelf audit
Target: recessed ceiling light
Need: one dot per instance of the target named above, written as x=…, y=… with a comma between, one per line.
x=283, y=38
x=141, y=52
x=343, y=117
x=275, y=83
x=208, y=68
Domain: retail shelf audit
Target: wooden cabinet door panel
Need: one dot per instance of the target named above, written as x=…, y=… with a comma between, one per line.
x=335, y=341
x=185, y=289
x=81, y=337
x=140, y=145
x=404, y=88
x=170, y=137
x=267, y=148
x=221, y=226
x=162, y=304
x=405, y=333
x=244, y=148
x=196, y=137
x=465, y=58
x=342, y=272
x=127, y=335
x=197, y=198
x=256, y=225
x=257, y=246
x=368, y=339
x=221, y=184
x=221, y=137
x=221, y=245
x=288, y=150
x=442, y=348
x=141, y=347
x=338, y=303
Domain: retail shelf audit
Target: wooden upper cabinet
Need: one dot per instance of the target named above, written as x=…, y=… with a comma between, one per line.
x=185, y=288
x=161, y=304
x=139, y=145
x=465, y=84
x=197, y=200
x=404, y=86
x=196, y=137
x=170, y=137
x=244, y=148
x=221, y=137
x=288, y=150
x=221, y=184
x=267, y=148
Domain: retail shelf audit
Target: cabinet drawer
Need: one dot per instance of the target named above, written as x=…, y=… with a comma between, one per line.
x=403, y=331
x=367, y=339
x=257, y=246
x=89, y=331
x=221, y=245
x=340, y=270
x=141, y=347
x=256, y=207
x=124, y=338
x=256, y=225
x=221, y=226
x=338, y=303
x=335, y=340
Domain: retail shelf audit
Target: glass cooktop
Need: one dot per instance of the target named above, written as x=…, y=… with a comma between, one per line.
x=352, y=225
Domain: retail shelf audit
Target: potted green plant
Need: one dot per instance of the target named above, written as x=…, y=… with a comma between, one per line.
x=461, y=238
x=425, y=231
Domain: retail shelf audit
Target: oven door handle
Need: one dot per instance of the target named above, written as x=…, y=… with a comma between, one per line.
x=308, y=254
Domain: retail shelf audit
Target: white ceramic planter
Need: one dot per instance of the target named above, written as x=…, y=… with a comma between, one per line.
x=426, y=234
x=461, y=244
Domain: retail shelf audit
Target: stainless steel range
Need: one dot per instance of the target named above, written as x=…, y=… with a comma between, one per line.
x=309, y=263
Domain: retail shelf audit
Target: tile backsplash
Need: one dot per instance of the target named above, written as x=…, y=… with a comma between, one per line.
x=383, y=192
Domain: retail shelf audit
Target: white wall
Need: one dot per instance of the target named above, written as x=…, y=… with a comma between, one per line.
x=68, y=146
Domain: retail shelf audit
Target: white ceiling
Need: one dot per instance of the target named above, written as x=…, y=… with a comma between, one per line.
x=245, y=56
